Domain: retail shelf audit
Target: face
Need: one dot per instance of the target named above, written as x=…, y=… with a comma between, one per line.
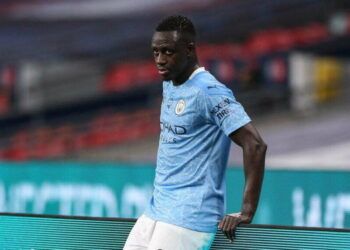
x=172, y=56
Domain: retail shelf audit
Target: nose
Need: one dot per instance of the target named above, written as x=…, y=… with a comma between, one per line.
x=160, y=59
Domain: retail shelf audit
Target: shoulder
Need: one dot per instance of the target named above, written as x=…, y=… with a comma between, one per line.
x=207, y=85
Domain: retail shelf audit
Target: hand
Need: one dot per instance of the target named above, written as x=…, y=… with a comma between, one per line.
x=230, y=222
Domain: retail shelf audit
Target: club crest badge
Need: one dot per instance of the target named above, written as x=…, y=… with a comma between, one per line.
x=180, y=107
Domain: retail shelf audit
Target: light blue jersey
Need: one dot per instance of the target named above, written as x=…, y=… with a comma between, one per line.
x=196, y=119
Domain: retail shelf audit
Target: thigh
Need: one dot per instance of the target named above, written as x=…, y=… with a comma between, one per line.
x=141, y=234
x=170, y=237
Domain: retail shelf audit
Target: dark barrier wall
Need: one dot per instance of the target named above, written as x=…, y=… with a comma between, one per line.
x=21, y=231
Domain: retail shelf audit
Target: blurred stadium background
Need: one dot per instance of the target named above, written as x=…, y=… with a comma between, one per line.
x=80, y=96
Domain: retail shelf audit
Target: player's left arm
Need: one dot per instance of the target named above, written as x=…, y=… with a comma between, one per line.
x=254, y=151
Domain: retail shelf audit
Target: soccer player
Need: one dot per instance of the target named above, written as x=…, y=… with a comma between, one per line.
x=199, y=118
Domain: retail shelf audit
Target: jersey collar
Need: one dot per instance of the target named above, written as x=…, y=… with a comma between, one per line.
x=200, y=69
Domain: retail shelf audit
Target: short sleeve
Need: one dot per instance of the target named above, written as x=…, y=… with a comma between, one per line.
x=220, y=107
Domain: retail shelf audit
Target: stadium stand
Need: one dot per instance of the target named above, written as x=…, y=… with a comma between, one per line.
x=52, y=96
x=103, y=129
x=256, y=70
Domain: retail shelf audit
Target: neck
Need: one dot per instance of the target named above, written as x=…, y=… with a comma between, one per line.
x=184, y=77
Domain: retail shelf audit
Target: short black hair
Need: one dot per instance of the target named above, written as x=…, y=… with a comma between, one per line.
x=177, y=23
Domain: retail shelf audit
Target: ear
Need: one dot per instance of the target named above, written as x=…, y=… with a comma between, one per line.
x=190, y=48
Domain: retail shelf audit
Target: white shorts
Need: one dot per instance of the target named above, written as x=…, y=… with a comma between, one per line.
x=157, y=235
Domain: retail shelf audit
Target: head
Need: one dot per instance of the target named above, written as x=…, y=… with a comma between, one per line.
x=173, y=46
